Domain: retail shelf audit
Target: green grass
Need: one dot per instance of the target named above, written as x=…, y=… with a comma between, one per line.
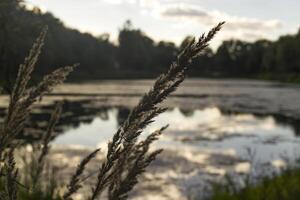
x=283, y=187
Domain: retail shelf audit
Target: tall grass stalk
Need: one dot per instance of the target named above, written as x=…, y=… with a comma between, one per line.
x=126, y=157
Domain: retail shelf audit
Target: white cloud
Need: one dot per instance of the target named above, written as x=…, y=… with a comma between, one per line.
x=183, y=11
x=145, y=4
x=154, y=3
x=236, y=27
x=118, y=2
x=185, y=16
x=149, y=3
x=250, y=36
x=193, y=12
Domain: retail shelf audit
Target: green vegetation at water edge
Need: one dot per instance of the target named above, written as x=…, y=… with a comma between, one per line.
x=283, y=187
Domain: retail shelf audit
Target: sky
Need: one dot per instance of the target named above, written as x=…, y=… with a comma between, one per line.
x=173, y=20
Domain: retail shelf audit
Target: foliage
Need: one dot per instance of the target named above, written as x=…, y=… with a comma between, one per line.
x=282, y=187
x=64, y=45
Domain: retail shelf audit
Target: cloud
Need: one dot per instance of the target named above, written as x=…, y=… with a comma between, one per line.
x=243, y=35
x=118, y=2
x=153, y=3
x=149, y=3
x=145, y=4
x=193, y=12
x=245, y=28
x=187, y=15
x=183, y=11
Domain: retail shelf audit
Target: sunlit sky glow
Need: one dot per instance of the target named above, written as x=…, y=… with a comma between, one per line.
x=172, y=20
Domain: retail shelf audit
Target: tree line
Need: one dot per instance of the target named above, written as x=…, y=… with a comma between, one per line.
x=135, y=55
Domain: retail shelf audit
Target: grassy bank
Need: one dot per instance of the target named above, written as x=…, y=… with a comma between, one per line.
x=283, y=187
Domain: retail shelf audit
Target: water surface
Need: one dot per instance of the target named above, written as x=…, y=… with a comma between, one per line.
x=215, y=127
x=201, y=129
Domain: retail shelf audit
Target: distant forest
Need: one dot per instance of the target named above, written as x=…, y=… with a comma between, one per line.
x=135, y=55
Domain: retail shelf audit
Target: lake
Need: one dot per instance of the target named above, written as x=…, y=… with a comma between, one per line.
x=215, y=127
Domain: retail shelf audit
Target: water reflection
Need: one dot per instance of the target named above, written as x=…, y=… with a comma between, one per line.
x=209, y=129
x=196, y=130
x=201, y=145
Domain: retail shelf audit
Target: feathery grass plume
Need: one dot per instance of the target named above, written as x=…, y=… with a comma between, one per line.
x=136, y=164
x=48, y=136
x=40, y=162
x=19, y=89
x=23, y=106
x=25, y=70
x=20, y=105
x=22, y=99
x=125, y=138
x=47, y=84
x=11, y=174
x=24, y=74
x=74, y=184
